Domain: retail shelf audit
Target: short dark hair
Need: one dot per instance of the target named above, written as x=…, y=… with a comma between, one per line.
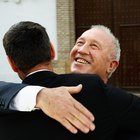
x=27, y=44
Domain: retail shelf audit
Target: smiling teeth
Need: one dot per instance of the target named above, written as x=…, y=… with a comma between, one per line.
x=82, y=61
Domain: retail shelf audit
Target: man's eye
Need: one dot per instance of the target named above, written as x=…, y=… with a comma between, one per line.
x=94, y=46
x=79, y=42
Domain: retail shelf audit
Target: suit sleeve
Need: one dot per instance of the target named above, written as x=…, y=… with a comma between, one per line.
x=7, y=92
x=126, y=108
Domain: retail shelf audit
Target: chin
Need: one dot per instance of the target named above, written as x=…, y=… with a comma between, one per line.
x=76, y=71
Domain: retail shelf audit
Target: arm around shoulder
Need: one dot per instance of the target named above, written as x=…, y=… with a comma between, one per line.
x=7, y=92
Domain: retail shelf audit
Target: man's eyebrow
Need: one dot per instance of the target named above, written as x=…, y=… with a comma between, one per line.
x=80, y=38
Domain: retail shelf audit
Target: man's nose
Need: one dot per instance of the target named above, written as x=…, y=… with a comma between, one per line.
x=84, y=49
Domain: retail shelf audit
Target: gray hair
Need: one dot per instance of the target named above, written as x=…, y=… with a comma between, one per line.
x=116, y=44
x=115, y=41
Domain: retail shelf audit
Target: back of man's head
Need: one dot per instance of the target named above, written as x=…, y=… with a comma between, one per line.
x=27, y=44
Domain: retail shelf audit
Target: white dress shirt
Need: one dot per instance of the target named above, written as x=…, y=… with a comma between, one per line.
x=25, y=100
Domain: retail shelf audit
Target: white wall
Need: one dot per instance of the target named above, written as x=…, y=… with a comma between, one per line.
x=41, y=11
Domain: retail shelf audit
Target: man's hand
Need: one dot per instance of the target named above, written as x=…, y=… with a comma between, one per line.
x=61, y=106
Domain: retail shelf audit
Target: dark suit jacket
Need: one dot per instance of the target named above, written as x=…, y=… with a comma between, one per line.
x=125, y=134
x=113, y=109
x=7, y=92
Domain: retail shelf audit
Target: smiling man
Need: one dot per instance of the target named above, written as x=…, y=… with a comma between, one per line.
x=96, y=51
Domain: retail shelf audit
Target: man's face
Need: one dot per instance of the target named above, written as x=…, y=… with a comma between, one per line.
x=91, y=53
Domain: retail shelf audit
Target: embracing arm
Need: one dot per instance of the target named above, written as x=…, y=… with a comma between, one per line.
x=7, y=92
x=55, y=102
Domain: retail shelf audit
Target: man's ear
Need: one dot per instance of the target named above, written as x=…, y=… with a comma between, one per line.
x=12, y=64
x=113, y=66
x=52, y=51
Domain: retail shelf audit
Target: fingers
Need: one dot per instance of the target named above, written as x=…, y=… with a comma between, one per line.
x=73, y=90
x=73, y=124
x=84, y=117
x=84, y=111
x=81, y=123
x=78, y=118
x=69, y=126
x=62, y=107
x=81, y=118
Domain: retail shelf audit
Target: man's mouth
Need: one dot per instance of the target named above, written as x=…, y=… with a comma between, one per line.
x=81, y=60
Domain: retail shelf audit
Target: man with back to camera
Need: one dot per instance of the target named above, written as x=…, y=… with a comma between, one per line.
x=73, y=107
x=105, y=115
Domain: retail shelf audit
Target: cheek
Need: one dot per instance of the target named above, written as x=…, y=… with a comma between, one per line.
x=98, y=56
x=94, y=52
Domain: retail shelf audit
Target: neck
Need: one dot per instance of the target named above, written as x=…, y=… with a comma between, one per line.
x=38, y=67
x=103, y=77
x=105, y=81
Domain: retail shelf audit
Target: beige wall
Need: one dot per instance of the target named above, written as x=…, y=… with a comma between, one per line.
x=65, y=34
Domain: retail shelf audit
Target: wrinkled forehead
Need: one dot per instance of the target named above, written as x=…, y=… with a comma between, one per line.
x=99, y=36
x=96, y=34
